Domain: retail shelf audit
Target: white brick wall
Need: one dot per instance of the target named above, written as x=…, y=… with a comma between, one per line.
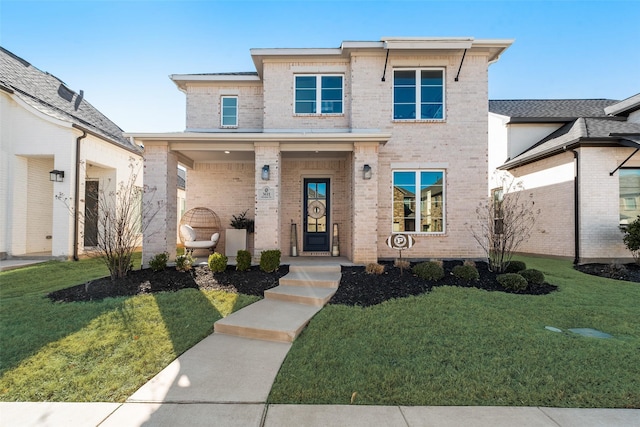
x=460, y=143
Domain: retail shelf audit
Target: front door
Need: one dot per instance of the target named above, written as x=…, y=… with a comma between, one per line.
x=316, y=215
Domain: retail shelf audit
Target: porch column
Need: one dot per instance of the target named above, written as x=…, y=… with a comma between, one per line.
x=161, y=186
x=267, y=213
x=365, y=203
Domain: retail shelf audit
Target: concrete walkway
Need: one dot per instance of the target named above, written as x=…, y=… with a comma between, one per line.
x=225, y=380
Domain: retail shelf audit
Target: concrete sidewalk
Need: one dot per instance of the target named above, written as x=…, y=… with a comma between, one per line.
x=49, y=414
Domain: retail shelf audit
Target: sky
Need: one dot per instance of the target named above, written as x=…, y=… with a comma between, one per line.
x=121, y=53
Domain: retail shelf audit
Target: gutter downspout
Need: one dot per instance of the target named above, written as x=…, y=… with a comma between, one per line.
x=576, y=206
x=76, y=218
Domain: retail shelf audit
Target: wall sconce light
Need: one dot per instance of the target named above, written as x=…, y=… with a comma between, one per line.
x=56, y=176
x=265, y=173
x=366, y=172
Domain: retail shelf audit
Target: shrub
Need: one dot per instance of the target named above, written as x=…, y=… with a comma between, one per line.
x=437, y=261
x=515, y=267
x=270, y=260
x=374, y=268
x=431, y=270
x=217, y=262
x=184, y=262
x=402, y=264
x=243, y=260
x=533, y=277
x=631, y=239
x=159, y=262
x=466, y=272
x=469, y=262
x=241, y=221
x=512, y=281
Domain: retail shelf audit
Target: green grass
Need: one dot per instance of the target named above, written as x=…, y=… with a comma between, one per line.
x=94, y=351
x=458, y=346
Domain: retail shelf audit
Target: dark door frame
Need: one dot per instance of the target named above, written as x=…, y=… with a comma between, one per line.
x=314, y=241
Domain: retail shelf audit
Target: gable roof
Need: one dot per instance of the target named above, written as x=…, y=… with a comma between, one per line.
x=581, y=131
x=49, y=95
x=549, y=110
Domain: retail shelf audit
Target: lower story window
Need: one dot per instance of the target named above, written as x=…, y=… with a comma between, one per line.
x=418, y=201
x=629, y=195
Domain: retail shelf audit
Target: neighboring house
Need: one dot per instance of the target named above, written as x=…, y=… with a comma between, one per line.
x=375, y=137
x=578, y=159
x=50, y=132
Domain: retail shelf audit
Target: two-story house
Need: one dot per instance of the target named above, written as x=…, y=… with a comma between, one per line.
x=578, y=159
x=53, y=143
x=369, y=139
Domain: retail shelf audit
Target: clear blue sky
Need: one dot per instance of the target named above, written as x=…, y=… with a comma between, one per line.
x=122, y=52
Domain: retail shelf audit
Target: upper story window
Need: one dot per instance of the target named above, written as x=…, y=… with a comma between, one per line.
x=418, y=94
x=418, y=201
x=318, y=94
x=229, y=111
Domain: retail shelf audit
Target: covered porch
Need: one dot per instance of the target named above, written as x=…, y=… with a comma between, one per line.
x=316, y=180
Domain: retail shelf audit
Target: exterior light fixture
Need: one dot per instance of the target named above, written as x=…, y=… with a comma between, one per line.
x=265, y=173
x=56, y=176
x=366, y=172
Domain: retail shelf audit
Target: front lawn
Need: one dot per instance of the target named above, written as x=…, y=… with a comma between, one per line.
x=94, y=351
x=463, y=346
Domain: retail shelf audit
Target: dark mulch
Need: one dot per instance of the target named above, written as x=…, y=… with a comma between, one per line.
x=146, y=281
x=356, y=287
x=629, y=272
x=359, y=288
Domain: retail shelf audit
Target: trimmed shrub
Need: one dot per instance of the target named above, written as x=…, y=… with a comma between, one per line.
x=515, y=267
x=243, y=260
x=402, y=264
x=431, y=270
x=512, y=281
x=534, y=277
x=184, y=262
x=217, y=262
x=374, y=268
x=466, y=272
x=159, y=262
x=270, y=260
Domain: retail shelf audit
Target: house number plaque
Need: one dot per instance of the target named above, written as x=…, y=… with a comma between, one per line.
x=266, y=193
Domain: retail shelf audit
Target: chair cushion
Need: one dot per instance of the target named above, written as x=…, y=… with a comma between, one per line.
x=215, y=237
x=188, y=233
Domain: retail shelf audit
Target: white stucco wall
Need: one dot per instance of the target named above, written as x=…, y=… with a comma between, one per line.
x=33, y=144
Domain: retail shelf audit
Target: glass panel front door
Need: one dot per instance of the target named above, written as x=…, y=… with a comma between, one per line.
x=316, y=215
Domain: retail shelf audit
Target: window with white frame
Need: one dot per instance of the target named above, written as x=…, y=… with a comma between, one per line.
x=229, y=111
x=418, y=94
x=418, y=201
x=318, y=94
x=629, y=182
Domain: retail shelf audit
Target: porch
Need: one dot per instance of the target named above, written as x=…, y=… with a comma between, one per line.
x=313, y=180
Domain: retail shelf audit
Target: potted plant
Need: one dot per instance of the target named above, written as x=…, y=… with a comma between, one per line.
x=236, y=237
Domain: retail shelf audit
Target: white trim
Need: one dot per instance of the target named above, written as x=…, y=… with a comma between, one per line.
x=222, y=98
x=418, y=100
x=318, y=101
x=418, y=201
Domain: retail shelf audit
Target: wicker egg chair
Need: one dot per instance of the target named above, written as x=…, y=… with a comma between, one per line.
x=204, y=221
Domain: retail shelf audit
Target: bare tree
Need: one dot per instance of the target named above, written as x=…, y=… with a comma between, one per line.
x=504, y=222
x=121, y=218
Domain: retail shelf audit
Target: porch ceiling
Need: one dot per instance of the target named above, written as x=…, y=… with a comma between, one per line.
x=193, y=147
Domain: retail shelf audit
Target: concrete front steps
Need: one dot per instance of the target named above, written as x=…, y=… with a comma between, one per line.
x=287, y=308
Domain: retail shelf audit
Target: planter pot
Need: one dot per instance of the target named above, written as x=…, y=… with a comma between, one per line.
x=234, y=241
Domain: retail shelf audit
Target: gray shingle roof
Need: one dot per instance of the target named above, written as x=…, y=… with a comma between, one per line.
x=51, y=96
x=582, y=130
x=558, y=109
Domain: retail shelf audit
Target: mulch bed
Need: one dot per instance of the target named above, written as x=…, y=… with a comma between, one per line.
x=356, y=287
x=629, y=272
